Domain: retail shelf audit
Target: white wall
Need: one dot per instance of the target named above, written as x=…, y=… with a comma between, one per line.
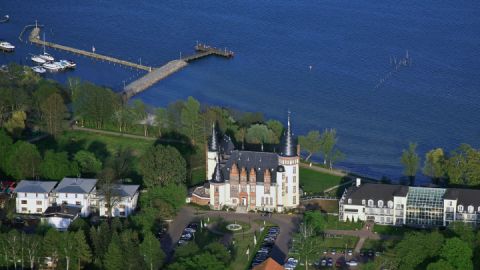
x=211, y=163
x=129, y=205
x=31, y=205
x=80, y=200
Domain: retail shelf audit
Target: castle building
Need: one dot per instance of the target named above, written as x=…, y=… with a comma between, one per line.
x=248, y=180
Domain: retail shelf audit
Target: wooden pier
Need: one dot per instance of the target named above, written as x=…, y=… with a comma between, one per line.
x=153, y=76
x=35, y=38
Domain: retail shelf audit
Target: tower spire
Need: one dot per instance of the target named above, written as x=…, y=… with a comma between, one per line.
x=214, y=141
x=288, y=147
x=217, y=175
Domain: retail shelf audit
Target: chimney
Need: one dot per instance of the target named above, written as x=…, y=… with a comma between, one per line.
x=358, y=182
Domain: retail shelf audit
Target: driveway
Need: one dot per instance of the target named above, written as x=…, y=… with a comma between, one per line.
x=288, y=226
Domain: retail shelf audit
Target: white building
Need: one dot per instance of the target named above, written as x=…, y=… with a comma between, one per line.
x=61, y=216
x=78, y=192
x=33, y=197
x=124, y=201
x=247, y=180
x=412, y=206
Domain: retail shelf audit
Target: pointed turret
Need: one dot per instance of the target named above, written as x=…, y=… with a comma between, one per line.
x=288, y=147
x=214, y=140
x=217, y=175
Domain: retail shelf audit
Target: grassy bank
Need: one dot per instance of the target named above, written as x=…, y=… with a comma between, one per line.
x=315, y=182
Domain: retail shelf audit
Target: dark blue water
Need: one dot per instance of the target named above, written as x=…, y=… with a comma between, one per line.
x=435, y=102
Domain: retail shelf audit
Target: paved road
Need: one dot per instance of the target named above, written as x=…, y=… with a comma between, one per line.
x=288, y=225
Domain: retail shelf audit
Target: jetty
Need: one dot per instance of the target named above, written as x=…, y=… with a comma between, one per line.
x=154, y=74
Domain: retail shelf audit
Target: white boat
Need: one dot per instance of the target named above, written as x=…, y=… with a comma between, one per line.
x=68, y=63
x=52, y=66
x=38, y=60
x=39, y=69
x=6, y=46
x=61, y=65
x=46, y=56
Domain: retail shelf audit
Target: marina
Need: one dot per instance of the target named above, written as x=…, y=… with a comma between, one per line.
x=153, y=75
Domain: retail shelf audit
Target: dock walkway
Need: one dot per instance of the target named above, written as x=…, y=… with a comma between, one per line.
x=153, y=76
x=35, y=38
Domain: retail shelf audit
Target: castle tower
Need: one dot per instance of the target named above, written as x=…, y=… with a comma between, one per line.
x=288, y=188
x=212, y=153
x=217, y=188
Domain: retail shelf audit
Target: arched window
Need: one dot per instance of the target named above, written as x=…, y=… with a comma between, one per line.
x=460, y=208
x=349, y=201
x=370, y=203
x=470, y=209
x=363, y=203
x=380, y=203
x=390, y=204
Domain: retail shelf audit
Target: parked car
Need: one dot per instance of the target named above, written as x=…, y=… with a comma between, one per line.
x=350, y=252
x=333, y=251
x=352, y=263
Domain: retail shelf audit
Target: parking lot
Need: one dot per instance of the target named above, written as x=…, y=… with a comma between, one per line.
x=267, y=245
x=344, y=259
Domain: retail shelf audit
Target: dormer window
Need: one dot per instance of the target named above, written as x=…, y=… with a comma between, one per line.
x=370, y=203
x=349, y=201
x=460, y=208
x=380, y=203
x=470, y=209
x=390, y=204
x=363, y=202
x=478, y=210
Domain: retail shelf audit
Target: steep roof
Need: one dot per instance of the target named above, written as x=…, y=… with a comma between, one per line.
x=65, y=211
x=259, y=161
x=464, y=196
x=28, y=186
x=76, y=185
x=288, y=147
x=373, y=191
x=269, y=264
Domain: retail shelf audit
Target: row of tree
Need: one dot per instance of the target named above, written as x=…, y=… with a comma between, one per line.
x=324, y=143
x=460, y=167
x=455, y=248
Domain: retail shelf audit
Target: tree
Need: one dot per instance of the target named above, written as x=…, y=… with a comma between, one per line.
x=109, y=190
x=162, y=165
x=240, y=136
x=463, y=166
x=457, y=253
x=114, y=258
x=53, y=112
x=311, y=143
x=16, y=124
x=56, y=166
x=151, y=251
x=32, y=249
x=434, y=164
x=190, y=119
x=6, y=144
x=24, y=160
x=259, y=134
x=51, y=247
x=307, y=243
x=121, y=162
x=440, y=265
x=141, y=115
x=87, y=162
x=161, y=120
x=410, y=161
x=277, y=128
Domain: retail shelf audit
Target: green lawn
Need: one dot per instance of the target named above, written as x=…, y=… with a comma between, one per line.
x=314, y=182
x=332, y=223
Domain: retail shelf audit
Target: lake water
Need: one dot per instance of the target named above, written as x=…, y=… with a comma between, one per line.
x=348, y=44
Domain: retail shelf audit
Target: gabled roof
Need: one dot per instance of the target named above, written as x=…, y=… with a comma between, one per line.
x=375, y=192
x=76, y=185
x=29, y=186
x=269, y=264
x=123, y=190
